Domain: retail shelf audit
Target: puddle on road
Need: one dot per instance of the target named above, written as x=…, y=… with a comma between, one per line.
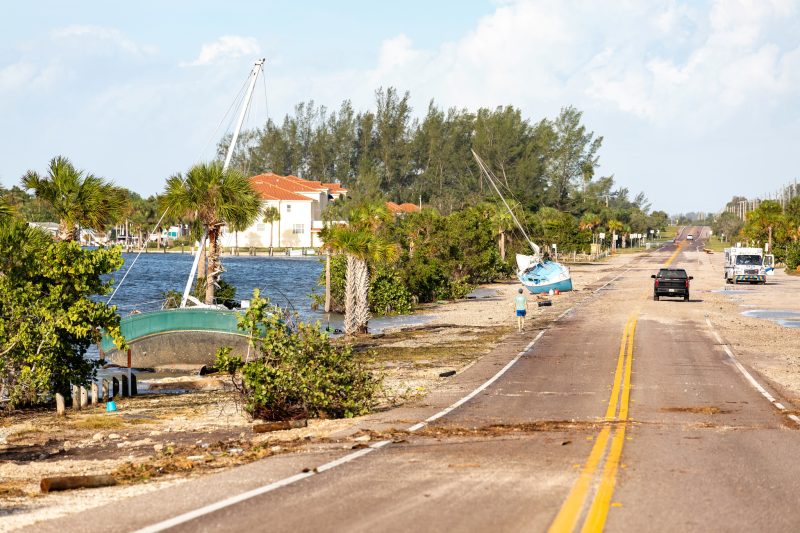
x=773, y=314
x=482, y=292
x=732, y=291
x=782, y=317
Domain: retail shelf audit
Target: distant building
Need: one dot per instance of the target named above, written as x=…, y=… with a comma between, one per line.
x=401, y=209
x=49, y=227
x=300, y=204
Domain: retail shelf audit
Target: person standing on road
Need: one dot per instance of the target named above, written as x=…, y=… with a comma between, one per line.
x=521, y=305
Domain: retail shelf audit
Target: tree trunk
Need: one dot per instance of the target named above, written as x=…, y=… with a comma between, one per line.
x=214, y=265
x=502, y=235
x=327, y=281
x=271, y=230
x=65, y=231
x=350, y=287
x=362, y=297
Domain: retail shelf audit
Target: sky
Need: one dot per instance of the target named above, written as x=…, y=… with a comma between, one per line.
x=696, y=101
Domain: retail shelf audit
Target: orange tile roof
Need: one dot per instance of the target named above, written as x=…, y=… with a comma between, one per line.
x=401, y=208
x=268, y=191
x=295, y=184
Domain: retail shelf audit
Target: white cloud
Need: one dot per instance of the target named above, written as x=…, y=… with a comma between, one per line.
x=224, y=48
x=101, y=37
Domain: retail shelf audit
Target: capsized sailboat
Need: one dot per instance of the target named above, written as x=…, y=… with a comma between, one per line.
x=536, y=274
x=187, y=335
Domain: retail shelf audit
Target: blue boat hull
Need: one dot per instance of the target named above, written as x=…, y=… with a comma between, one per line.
x=561, y=286
x=545, y=276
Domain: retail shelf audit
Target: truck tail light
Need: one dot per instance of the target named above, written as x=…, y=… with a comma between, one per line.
x=656, y=282
x=687, y=283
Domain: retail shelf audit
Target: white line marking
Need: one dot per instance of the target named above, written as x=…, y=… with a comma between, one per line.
x=202, y=511
x=749, y=377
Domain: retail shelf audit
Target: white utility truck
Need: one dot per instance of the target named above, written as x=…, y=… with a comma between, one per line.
x=749, y=265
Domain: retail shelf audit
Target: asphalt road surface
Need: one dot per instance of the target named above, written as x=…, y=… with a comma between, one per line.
x=626, y=415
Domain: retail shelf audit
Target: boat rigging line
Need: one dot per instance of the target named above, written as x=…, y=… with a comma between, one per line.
x=490, y=176
x=141, y=249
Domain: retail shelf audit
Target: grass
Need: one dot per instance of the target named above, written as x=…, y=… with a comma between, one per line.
x=716, y=245
x=106, y=422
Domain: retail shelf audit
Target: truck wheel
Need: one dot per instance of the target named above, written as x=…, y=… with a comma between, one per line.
x=655, y=297
x=686, y=298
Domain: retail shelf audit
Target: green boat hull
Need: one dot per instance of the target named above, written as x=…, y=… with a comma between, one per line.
x=176, y=338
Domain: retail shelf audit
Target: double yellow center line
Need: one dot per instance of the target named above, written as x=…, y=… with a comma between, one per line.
x=617, y=412
x=616, y=417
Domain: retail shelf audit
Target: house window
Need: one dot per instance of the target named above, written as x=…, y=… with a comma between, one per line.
x=288, y=208
x=298, y=229
x=261, y=227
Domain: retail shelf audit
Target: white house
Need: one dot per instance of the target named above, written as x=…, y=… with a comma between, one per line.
x=300, y=204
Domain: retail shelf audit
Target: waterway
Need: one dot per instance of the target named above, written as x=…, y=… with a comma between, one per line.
x=289, y=283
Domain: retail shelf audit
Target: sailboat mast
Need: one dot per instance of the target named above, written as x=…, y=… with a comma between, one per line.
x=488, y=175
x=253, y=77
x=245, y=105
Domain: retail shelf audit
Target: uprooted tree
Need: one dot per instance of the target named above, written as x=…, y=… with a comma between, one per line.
x=296, y=372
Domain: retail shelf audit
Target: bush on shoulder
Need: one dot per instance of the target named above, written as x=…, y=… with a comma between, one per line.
x=298, y=372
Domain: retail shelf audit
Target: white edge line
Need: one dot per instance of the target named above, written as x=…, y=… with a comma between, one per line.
x=749, y=377
x=202, y=511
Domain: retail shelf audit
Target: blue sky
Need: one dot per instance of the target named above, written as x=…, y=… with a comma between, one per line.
x=697, y=101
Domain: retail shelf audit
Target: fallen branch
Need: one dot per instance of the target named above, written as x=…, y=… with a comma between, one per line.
x=52, y=484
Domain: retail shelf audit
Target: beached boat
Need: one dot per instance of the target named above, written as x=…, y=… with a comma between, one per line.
x=191, y=334
x=537, y=274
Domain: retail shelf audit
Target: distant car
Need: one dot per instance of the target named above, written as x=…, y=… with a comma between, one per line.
x=690, y=237
x=671, y=282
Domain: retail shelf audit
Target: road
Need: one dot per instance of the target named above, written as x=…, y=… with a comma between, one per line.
x=626, y=415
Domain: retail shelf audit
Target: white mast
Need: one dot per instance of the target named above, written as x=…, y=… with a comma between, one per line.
x=257, y=67
x=488, y=174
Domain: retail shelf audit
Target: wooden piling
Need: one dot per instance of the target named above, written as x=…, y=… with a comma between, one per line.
x=94, y=393
x=60, y=407
x=76, y=398
x=106, y=397
x=84, y=396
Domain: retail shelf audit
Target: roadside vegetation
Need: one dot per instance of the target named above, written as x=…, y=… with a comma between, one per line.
x=379, y=263
x=771, y=223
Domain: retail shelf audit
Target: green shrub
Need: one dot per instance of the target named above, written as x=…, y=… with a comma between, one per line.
x=792, y=256
x=297, y=373
x=48, y=316
x=387, y=293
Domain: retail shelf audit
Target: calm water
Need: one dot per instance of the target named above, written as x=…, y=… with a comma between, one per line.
x=287, y=282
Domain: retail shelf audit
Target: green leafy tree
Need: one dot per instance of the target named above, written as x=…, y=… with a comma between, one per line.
x=76, y=199
x=212, y=198
x=572, y=158
x=728, y=225
x=48, y=318
x=766, y=223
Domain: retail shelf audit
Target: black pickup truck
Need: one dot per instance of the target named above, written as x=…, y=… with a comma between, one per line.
x=671, y=282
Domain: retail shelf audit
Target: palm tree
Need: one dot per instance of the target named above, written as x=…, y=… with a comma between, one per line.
x=362, y=247
x=503, y=221
x=212, y=197
x=271, y=215
x=77, y=199
x=614, y=226
x=6, y=211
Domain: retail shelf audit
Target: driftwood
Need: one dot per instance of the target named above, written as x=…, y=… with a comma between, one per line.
x=266, y=427
x=51, y=484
